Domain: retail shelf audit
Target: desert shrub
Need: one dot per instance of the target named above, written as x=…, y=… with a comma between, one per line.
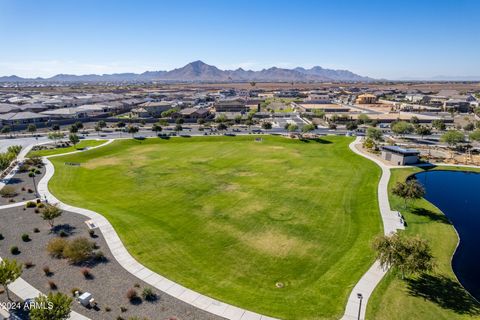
x=148, y=294
x=28, y=264
x=137, y=285
x=63, y=234
x=56, y=246
x=30, y=190
x=25, y=237
x=36, y=210
x=131, y=294
x=91, y=233
x=108, y=309
x=14, y=250
x=52, y=285
x=47, y=271
x=36, y=230
x=86, y=272
x=79, y=250
x=123, y=309
x=73, y=290
x=8, y=192
x=24, y=168
x=40, y=205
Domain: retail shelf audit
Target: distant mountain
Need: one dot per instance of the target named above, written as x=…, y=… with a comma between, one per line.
x=199, y=71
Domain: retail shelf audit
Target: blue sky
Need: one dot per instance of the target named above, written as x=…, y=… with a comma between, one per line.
x=383, y=39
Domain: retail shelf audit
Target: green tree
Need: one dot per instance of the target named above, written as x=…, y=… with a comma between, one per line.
x=55, y=127
x=409, y=255
x=74, y=139
x=469, y=126
x=308, y=128
x=363, y=119
x=292, y=127
x=102, y=124
x=409, y=190
x=31, y=128
x=58, y=307
x=452, y=138
x=238, y=119
x=267, y=125
x=221, y=126
x=179, y=121
x=73, y=129
x=423, y=131
x=79, y=125
x=132, y=130
x=50, y=213
x=10, y=270
x=402, y=127
x=5, y=129
x=121, y=124
x=374, y=134
x=439, y=125
x=351, y=125
x=319, y=113
x=414, y=120
x=156, y=127
x=55, y=136
x=178, y=127
x=475, y=135
x=201, y=121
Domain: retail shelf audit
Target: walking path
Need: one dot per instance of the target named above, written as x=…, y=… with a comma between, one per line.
x=356, y=307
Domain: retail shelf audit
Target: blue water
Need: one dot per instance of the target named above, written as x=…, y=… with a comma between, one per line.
x=457, y=194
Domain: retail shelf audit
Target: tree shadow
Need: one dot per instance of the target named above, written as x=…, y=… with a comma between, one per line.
x=445, y=292
x=67, y=228
x=317, y=140
x=14, y=180
x=431, y=215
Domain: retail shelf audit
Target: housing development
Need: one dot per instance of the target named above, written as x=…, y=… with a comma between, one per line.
x=268, y=182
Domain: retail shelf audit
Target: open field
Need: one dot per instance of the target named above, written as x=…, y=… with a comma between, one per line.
x=436, y=296
x=81, y=145
x=281, y=227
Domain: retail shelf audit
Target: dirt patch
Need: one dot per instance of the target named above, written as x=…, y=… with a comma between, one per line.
x=102, y=162
x=276, y=243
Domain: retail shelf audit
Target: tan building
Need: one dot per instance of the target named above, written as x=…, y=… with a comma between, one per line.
x=366, y=98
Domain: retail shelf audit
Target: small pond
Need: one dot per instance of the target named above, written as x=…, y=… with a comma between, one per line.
x=457, y=194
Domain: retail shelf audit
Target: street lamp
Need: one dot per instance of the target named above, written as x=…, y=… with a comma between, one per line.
x=360, y=297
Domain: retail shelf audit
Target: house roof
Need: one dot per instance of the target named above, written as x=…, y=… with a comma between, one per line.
x=63, y=111
x=21, y=116
x=402, y=151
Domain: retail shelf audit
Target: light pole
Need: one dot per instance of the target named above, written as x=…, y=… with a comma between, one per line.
x=360, y=297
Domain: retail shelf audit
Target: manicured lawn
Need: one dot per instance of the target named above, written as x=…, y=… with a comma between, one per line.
x=81, y=145
x=231, y=217
x=437, y=296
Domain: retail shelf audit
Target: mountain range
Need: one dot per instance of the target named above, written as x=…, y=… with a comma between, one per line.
x=199, y=71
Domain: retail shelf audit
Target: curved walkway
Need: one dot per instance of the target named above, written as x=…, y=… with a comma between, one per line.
x=356, y=308
x=134, y=267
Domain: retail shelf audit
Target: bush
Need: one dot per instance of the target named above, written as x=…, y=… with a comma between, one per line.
x=100, y=256
x=36, y=210
x=24, y=168
x=123, y=309
x=75, y=290
x=56, y=246
x=131, y=294
x=91, y=233
x=52, y=285
x=86, y=272
x=30, y=190
x=47, y=271
x=79, y=250
x=148, y=294
x=28, y=264
x=40, y=205
x=108, y=309
x=8, y=192
x=14, y=250
x=63, y=234
x=36, y=230
x=25, y=237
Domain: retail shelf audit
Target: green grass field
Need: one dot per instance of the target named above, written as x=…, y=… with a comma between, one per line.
x=81, y=145
x=230, y=217
x=436, y=296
